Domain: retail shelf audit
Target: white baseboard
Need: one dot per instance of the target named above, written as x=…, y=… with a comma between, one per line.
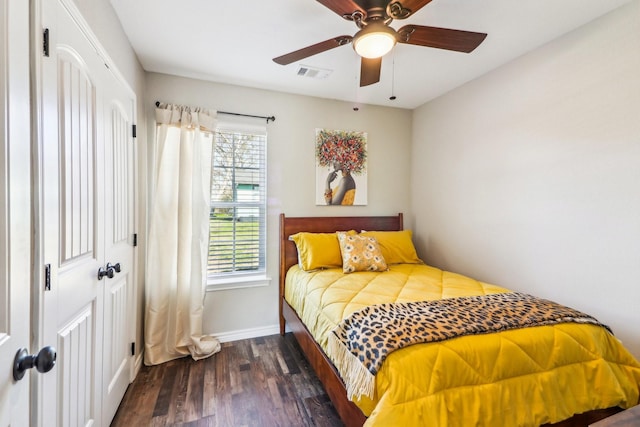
x=244, y=334
x=137, y=365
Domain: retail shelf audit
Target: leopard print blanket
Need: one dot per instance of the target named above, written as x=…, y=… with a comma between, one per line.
x=363, y=340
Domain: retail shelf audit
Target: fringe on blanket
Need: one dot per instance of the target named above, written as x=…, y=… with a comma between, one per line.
x=359, y=381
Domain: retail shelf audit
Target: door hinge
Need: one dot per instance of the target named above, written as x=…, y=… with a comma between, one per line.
x=133, y=131
x=47, y=277
x=133, y=349
x=45, y=42
x=135, y=239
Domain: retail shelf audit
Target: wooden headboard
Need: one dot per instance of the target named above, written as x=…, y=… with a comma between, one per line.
x=293, y=225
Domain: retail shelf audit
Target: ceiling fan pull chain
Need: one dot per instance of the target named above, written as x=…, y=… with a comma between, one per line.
x=393, y=77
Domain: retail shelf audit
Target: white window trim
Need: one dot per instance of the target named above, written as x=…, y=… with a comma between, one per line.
x=237, y=282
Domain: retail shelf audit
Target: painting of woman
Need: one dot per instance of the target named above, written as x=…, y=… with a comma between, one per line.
x=344, y=153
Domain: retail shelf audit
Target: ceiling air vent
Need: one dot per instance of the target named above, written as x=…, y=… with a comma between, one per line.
x=313, y=72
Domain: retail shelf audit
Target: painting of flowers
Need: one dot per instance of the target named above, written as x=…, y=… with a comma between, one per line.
x=341, y=167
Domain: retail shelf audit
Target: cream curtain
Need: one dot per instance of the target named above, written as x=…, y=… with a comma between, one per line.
x=178, y=235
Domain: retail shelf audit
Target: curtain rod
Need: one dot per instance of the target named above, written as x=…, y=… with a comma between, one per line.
x=268, y=118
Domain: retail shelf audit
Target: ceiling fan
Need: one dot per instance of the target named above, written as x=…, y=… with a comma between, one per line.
x=376, y=38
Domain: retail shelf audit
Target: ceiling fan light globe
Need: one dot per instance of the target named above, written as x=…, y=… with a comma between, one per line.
x=374, y=41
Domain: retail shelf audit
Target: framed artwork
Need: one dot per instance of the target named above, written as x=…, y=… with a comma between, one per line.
x=341, y=167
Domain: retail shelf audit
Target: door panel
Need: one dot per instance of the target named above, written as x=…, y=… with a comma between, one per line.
x=121, y=166
x=75, y=345
x=77, y=116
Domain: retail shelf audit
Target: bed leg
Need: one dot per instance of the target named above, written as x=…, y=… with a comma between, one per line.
x=281, y=325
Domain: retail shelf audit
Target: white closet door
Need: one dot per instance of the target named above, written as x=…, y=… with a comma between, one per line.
x=119, y=251
x=15, y=209
x=73, y=221
x=87, y=193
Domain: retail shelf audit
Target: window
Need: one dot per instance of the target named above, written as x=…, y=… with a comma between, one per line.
x=237, y=222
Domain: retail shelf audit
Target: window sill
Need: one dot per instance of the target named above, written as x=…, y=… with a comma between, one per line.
x=237, y=283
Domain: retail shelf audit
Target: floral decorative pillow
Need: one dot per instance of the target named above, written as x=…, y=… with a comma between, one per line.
x=360, y=253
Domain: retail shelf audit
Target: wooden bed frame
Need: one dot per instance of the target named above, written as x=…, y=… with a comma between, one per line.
x=350, y=414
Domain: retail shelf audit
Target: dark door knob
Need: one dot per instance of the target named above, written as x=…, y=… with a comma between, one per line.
x=43, y=361
x=109, y=272
x=116, y=267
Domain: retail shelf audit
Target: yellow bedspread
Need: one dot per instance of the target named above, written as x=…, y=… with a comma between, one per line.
x=522, y=377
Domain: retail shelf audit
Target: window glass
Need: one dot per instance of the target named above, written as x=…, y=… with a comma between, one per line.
x=238, y=202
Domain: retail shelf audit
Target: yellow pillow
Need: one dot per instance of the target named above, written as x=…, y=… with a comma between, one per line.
x=360, y=253
x=396, y=246
x=318, y=250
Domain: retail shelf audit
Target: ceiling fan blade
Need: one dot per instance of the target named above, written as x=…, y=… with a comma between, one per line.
x=312, y=50
x=370, y=71
x=441, y=38
x=344, y=8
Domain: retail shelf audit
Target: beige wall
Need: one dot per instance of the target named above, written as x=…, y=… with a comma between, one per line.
x=529, y=177
x=291, y=174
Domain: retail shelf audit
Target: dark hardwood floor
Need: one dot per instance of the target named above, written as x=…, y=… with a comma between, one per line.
x=258, y=382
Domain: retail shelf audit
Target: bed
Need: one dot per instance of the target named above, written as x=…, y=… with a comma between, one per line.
x=465, y=404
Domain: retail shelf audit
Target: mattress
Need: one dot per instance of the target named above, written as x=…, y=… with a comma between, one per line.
x=520, y=377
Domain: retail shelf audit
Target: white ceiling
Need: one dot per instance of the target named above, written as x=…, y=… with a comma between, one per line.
x=234, y=42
